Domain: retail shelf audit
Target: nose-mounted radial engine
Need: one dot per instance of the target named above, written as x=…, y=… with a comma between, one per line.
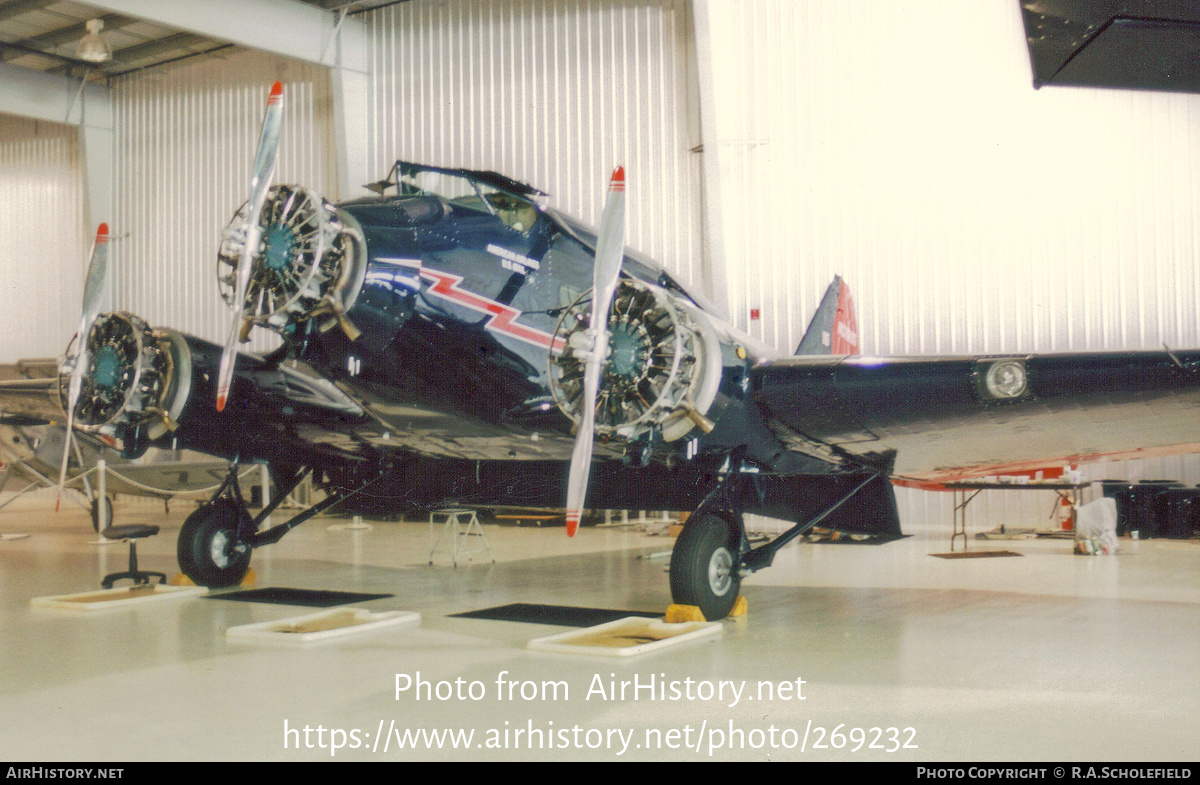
x=309, y=263
x=661, y=372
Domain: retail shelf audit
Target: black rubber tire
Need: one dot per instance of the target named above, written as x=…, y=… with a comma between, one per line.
x=206, y=545
x=108, y=517
x=704, y=566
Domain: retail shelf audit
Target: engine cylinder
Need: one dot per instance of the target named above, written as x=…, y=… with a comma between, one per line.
x=136, y=382
x=310, y=261
x=662, y=369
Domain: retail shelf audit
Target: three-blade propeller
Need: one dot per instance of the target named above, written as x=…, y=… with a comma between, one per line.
x=260, y=183
x=93, y=296
x=610, y=250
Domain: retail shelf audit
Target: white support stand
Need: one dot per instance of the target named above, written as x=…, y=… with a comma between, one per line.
x=101, y=503
x=459, y=524
x=265, y=474
x=39, y=481
x=609, y=522
x=302, y=495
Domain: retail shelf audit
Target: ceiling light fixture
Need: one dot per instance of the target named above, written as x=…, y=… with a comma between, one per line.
x=93, y=47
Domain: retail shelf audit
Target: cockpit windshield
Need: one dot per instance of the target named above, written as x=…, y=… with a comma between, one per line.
x=512, y=202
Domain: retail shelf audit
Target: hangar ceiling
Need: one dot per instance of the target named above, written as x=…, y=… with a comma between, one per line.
x=43, y=35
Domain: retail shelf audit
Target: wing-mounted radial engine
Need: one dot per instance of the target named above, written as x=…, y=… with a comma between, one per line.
x=309, y=263
x=661, y=372
x=135, y=381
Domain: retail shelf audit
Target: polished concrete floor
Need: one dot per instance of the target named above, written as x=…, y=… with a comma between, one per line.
x=849, y=652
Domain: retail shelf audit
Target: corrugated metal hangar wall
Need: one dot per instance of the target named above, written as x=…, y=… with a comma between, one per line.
x=186, y=138
x=554, y=94
x=901, y=145
x=41, y=254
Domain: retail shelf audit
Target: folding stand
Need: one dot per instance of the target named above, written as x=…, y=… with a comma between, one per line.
x=453, y=525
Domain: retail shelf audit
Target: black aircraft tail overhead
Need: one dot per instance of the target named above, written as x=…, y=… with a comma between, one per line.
x=834, y=327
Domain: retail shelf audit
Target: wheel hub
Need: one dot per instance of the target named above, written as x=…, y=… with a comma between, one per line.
x=720, y=571
x=219, y=549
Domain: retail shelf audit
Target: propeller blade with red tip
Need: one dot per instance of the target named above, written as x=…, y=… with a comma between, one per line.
x=93, y=296
x=260, y=183
x=610, y=251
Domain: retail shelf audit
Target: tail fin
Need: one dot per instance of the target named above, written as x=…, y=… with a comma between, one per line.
x=834, y=327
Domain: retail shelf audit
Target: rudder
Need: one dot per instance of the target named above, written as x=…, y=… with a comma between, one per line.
x=834, y=327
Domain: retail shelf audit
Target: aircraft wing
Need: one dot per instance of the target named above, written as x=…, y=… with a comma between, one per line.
x=276, y=409
x=937, y=419
x=27, y=398
x=276, y=412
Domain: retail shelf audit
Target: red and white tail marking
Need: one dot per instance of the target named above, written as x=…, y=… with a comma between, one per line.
x=573, y=517
x=845, y=325
x=276, y=94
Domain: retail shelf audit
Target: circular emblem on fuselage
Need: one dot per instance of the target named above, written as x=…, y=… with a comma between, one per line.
x=1007, y=379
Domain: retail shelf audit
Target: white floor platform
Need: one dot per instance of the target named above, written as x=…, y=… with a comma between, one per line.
x=1047, y=657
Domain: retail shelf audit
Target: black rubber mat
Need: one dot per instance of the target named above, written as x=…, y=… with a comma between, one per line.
x=974, y=554
x=560, y=615
x=309, y=598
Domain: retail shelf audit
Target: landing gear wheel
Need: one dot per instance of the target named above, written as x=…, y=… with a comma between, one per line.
x=704, y=569
x=208, y=548
x=102, y=513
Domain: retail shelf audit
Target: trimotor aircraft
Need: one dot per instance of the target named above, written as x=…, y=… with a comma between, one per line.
x=453, y=340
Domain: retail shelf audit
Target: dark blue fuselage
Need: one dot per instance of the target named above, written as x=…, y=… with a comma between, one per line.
x=458, y=311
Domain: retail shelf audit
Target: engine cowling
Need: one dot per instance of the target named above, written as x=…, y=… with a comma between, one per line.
x=662, y=370
x=136, y=384
x=310, y=262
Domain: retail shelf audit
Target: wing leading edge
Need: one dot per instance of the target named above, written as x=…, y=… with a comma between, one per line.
x=276, y=411
x=28, y=396
x=944, y=418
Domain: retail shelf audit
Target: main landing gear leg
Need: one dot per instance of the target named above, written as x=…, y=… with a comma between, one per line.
x=713, y=554
x=213, y=546
x=705, y=565
x=706, y=561
x=216, y=540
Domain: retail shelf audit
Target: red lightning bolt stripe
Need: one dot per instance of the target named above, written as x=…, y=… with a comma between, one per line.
x=504, y=317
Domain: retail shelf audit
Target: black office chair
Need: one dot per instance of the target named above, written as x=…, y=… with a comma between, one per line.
x=132, y=532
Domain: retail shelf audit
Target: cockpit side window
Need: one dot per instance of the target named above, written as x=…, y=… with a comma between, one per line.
x=516, y=213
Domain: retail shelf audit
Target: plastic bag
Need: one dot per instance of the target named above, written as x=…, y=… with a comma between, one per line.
x=1096, y=528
